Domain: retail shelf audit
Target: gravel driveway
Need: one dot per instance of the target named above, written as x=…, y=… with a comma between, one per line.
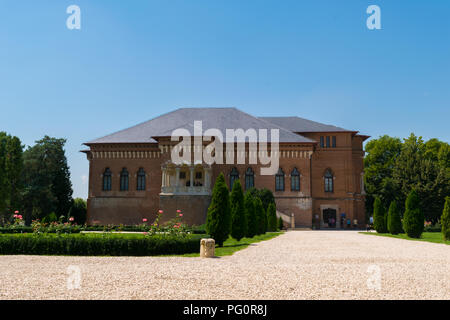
x=295, y=265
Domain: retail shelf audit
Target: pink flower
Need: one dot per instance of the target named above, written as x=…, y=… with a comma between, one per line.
x=71, y=219
x=160, y=211
x=180, y=215
x=16, y=212
x=20, y=217
x=144, y=233
x=144, y=220
x=15, y=216
x=178, y=211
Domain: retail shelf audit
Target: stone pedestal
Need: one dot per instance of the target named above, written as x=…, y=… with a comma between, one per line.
x=207, y=247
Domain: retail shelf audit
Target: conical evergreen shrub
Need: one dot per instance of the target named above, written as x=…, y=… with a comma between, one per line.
x=252, y=226
x=394, y=220
x=413, y=219
x=260, y=217
x=271, y=218
x=445, y=219
x=238, y=216
x=379, y=219
x=280, y=223
x=218, y=221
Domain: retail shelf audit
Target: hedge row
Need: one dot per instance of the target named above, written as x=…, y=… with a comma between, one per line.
x=78, y=229
x=97, y=245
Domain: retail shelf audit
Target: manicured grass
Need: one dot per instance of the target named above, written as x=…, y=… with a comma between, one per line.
x=435, y=237
x=231, y=245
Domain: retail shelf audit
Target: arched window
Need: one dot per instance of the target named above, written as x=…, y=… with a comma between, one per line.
x=279, y=180
x=328, y=179
x=141, y=180
x=234, y=175
x=249, y=179
x=124, y=180
x=107, y=180
x=295, y=180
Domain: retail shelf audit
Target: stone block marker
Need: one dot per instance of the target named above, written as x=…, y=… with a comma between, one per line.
x=207, y=247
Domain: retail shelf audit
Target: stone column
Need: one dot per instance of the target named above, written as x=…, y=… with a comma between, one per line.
x=163, y=182
x=177, y=178
x=191, y=182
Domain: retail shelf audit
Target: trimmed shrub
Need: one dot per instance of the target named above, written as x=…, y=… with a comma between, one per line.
x=261, y=219
x=97, y=244
x=50, y=218
x=413, y=219
x=238, y=217
x=445, y=219
x=379, y=219
x=271, y=218
x=394, y=220
x=280, y=224
x=218, y=221
x=252, y=226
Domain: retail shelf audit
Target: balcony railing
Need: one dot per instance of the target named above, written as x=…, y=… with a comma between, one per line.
x=182, y=190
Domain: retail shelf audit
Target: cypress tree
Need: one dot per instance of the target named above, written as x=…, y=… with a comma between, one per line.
x=394, y=220
x=379, y=219
x=413, y=219
x=260, y=217
x=271, y=218
x=280, y=223
x=238, y=216
x=250, y=213
x=218, y=221
x=445, y=219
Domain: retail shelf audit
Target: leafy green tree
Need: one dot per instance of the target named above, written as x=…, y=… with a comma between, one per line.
x=445, y=219
x=272, y=218
x=260, y=216
x=218, y=221
x=413, y=219
x=423, y=167
x=78, y=211
x=46, y=179
x=394, y=219
x=11, y=165
x=250, y=212
x=379, y=219
x=379, y=164
x=238, y=216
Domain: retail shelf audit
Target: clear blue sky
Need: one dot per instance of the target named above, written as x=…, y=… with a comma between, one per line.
x=133, y=60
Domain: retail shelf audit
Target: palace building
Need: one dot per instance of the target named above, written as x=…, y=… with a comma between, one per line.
x=319, y=180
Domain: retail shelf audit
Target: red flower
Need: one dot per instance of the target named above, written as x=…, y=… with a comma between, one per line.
x=144, y=220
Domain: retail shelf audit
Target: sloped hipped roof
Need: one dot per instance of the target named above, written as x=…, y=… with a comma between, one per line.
x=297, y=124
x=217, y=118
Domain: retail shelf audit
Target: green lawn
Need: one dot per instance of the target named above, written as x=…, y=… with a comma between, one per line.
x=435, y=237
x=231, y=245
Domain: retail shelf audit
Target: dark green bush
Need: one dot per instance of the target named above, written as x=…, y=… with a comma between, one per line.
x=379, y=219
x=218, y=221
x=238, y=216
x=445, y=219
x=261, y=218
x=271, y=218
x=413, y=219
x=97, y=244
x=249, y=204
x=394, y=220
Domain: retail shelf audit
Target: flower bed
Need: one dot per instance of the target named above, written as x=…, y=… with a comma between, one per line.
x=106, y=244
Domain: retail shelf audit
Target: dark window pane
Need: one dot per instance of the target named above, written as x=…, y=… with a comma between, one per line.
x=321, y=142
x=328, y=141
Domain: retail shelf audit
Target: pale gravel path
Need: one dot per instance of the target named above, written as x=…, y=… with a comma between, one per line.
x=295, y=265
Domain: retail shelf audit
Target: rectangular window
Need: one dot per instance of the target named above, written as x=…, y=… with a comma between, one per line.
x=182, y=175
x=333, y=142
x=198, y=175
x=328, y=141
x=321, y=142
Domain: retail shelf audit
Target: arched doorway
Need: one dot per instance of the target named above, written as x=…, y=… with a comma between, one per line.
x=329, y=217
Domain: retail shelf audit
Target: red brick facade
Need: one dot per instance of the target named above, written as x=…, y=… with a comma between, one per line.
x=344, y=161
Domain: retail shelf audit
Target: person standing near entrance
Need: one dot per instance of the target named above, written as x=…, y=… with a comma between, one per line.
x=348, y=223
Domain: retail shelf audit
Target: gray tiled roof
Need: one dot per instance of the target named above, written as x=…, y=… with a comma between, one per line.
x=297, y=124
x=219, y=118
